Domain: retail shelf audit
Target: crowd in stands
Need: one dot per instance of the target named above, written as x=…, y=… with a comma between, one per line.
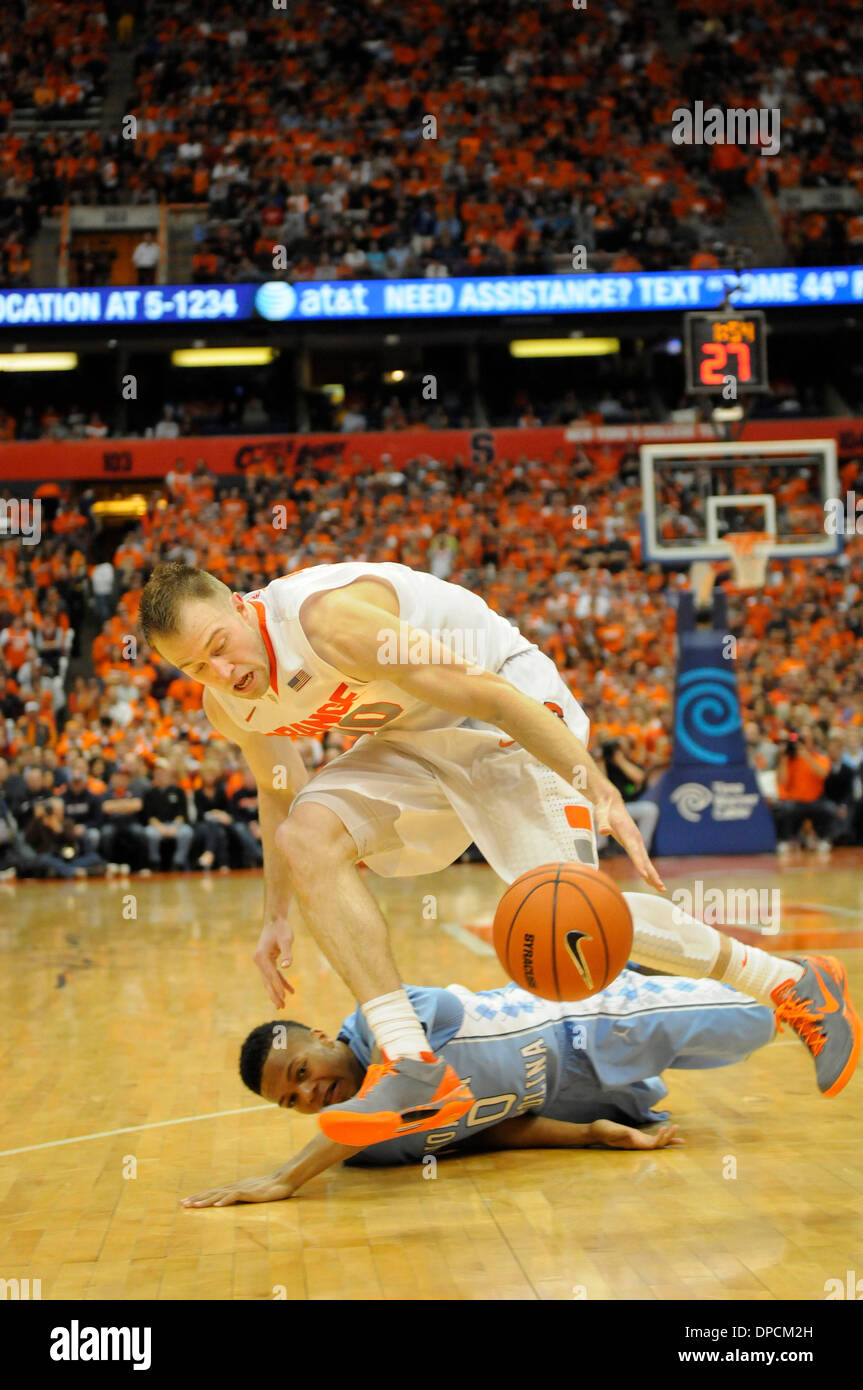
x=51, y=422
x=118, y=766
x=434, y=139
x=804, y=63
x=416, y=140
x=89, y=816
x=19, y=222
x=53, y=61
x=380, y=408
x=54, y=56
x=361, y=410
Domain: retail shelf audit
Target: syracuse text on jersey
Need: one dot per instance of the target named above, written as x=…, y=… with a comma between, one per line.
x=325, y=717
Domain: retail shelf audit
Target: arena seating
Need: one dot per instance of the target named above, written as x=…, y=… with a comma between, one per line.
x=438, y=140
x=583, y=596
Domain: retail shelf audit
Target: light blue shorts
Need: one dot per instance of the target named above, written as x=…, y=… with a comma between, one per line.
x=641, y=1026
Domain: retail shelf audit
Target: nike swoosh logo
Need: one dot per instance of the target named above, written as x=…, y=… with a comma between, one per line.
x=830, y=1005
x=250, y=713
x=745, y=958
x=573, y=943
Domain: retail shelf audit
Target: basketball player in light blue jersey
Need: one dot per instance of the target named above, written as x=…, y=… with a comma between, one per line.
x=543, y=1075
x=468, y=734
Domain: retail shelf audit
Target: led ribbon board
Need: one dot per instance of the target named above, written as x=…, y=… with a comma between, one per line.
x=279, y=301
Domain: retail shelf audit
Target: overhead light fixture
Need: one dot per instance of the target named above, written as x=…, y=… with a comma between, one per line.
x=38, y=361
x=564, y=347
x=722, y=414
x=223, y=357
x=392, y=377
x=133, y=505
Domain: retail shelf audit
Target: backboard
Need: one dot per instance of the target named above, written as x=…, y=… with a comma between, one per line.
x=694, y=495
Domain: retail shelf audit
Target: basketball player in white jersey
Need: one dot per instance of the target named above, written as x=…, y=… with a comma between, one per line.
x=470, y=735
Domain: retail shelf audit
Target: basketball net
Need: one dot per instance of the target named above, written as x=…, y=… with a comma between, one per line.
x=749, y=552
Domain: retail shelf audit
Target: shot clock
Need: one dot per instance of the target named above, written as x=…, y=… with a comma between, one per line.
x=725, y=344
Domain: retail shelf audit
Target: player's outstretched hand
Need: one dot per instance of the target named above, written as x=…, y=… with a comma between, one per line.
x=275, y=948
x=267, y=1189
x=615, y=1136
x=612, y=818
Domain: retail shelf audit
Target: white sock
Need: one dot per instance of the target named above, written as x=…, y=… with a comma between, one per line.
x=756, y=972
x=394, y=1022
x=667, y=938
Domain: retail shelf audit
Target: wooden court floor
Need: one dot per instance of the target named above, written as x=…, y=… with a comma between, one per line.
x=123, y=1017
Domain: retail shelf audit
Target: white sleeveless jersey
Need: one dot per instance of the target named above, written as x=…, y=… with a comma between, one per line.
x=307, y=697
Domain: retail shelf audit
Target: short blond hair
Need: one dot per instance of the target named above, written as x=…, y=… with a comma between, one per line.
x=169, y=587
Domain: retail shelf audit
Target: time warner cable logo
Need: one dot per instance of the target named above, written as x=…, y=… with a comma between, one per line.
x=725, y=800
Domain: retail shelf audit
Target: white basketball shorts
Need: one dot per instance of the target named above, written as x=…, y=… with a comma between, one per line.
x=414, y=801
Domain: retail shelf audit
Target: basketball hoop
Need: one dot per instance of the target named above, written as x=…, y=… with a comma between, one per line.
x=749, y=552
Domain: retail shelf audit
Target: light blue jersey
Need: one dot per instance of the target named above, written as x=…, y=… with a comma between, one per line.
x=598, y=1059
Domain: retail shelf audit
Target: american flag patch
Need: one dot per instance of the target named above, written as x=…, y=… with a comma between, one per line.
x=299, y=679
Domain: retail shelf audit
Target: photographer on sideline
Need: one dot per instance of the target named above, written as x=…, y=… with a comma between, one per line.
x=801, y=773
x=631, y=781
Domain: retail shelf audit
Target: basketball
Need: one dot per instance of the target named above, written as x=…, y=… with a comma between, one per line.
x=563, y=931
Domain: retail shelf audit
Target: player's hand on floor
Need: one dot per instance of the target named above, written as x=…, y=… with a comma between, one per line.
x=275, y=948
x=612, y=818
x=615, y=1136
x=266, y=1189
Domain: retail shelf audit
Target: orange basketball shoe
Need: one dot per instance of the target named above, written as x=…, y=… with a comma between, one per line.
x=398, y=1097
x=819, y=1010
